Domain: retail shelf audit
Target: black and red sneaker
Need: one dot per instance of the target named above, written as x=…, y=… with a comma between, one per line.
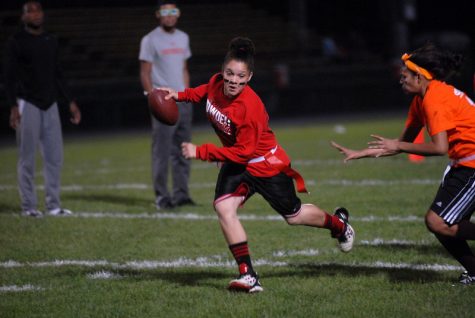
x=346, y=238
x=247, y=281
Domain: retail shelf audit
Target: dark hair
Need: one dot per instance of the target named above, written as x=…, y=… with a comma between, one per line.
x=241, y=49
x=441, y=63
x=30, y=1
x=164, y=2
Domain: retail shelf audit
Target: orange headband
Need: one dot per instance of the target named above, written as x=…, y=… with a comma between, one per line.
x=416, y=68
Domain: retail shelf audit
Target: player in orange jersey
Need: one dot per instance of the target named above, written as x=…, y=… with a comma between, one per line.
x=449, y=117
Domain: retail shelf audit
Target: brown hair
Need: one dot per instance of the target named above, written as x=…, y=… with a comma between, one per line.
x=441, y=63
x=241, y=49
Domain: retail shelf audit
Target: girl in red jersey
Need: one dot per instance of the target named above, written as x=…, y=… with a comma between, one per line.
x=253, y=161
x=449, y=116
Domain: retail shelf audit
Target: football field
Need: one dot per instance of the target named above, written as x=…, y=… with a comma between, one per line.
x=119, y=257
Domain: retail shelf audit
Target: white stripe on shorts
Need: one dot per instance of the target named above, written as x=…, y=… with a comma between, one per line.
x=459, y=205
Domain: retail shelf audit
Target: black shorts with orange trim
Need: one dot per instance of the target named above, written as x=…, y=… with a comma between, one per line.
x=278, y=190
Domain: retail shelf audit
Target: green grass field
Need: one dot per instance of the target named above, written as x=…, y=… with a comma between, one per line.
x=118, y=257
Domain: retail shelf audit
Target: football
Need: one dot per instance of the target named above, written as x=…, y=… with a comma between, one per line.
x=165, y=111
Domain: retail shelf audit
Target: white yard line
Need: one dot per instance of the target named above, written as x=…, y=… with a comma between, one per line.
x=309, y=252
x=245, y=217
x=191, y=216
x=145, y=264
x=15, y=288
x=213, y=262
x=104, y=275
x=200, y=185
x=395, y=242
x=217, y=261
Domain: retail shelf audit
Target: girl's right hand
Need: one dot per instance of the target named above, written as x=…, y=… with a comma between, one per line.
x=171, y=92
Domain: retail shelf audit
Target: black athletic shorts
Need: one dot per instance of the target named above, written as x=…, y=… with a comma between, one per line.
x=279, y=190
x=455, y=199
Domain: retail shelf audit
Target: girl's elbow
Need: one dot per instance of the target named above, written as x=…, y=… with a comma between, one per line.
x=442, y=150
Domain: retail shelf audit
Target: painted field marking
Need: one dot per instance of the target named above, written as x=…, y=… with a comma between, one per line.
x=191, y=216
x=383, y=242
x=15, y=288
x=217, y=261
x=210, y=185
x=104, y=275
x=245, y=217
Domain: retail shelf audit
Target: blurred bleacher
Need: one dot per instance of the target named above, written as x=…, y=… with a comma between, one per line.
x=100, y=46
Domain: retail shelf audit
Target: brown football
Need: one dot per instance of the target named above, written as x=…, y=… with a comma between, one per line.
x=165, y=111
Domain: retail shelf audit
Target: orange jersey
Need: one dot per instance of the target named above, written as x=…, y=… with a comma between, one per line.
x=445, y=108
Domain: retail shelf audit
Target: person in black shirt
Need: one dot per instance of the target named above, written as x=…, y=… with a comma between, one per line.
x=34, y=84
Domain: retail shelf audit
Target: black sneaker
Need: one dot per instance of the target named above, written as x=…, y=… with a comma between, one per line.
x=187, y=201
x=247, y=281
x=60, y=212
x=32, y=213
x=162, y=203
x=466, y=279
x=347, y=237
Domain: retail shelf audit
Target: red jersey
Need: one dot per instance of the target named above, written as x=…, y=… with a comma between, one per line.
x=445, y=108
x=242, y=125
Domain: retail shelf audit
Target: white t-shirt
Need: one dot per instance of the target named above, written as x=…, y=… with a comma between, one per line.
x=168, y=53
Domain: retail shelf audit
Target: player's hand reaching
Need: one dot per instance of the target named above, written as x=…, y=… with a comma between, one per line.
x=171, y=93
x=188, y=150
x=385, y=144
x=351, y=154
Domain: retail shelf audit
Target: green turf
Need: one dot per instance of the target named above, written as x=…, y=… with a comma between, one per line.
x=303, y=272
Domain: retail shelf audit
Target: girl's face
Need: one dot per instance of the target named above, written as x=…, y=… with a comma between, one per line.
x=236, y=75
x=410, y=81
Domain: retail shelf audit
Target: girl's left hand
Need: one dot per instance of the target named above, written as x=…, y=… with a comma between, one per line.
x=387, y=145
x=188, y=150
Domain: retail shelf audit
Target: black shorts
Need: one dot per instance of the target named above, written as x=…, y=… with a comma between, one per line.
x=279, y=190
x=455, y=199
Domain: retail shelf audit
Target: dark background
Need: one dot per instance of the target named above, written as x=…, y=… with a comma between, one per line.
x=314, y=58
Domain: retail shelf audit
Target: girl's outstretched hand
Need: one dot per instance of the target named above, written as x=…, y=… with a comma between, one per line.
x=390, y=146
x=351, y=154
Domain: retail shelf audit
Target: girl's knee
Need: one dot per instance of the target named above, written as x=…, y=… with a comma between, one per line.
x=294, y=220
x=433, y=223
x=437, y=225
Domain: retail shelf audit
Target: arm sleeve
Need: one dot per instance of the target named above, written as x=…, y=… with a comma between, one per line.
x=194, y=95
x=438, y=116
x=188, y=49
x=414, y=117
x=61, y=86
x=146, y=52
x=10, y=66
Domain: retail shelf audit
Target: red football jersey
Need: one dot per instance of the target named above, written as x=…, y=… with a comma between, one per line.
x=242, y=125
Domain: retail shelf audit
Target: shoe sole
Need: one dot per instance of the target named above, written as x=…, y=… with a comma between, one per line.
x=237, y=287
x=60, y=214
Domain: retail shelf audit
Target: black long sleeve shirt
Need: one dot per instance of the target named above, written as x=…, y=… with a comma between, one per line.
x=32, y=70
